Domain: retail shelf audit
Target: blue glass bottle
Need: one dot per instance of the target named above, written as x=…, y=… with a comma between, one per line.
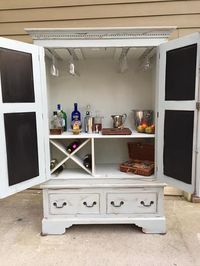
x=75, y=116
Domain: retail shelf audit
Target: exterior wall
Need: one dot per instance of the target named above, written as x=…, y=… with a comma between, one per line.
x=15, y=15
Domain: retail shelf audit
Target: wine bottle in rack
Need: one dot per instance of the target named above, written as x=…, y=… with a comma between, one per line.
x=73, y=146
x=53, y=163
x=59, y=170
x=87, y=161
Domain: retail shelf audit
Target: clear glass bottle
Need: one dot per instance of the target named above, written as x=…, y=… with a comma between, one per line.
x=56, y=121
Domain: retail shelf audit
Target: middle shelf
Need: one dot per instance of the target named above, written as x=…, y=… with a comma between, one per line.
x=101, y=171
x=70, y=135
x=93, y=157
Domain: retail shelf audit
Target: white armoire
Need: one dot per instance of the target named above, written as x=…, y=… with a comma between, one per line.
x=160, y=75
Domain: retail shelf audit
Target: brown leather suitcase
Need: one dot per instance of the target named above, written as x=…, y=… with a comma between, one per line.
x=141, y=159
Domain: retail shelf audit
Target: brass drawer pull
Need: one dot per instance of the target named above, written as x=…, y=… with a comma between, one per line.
x=115, y=205
x=147, y=205
x=59, y=206
x=89, y=206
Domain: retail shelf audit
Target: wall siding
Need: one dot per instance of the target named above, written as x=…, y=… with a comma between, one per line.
x=15, y=15
x=102, y=11
x=21, y=4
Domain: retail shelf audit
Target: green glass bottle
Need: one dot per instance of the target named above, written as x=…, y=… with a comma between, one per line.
x=63, y=115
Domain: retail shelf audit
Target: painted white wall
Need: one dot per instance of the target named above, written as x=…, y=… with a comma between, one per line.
x=103, y=87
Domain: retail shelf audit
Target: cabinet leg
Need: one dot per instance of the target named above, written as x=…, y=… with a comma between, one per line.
x=54, y=227
x=153, y=225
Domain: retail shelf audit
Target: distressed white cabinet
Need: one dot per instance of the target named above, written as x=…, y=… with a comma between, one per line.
x=162, y=75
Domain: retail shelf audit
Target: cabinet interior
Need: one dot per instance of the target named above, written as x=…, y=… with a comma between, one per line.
x=109, y=90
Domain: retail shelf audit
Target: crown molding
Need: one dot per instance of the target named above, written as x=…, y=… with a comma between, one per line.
x=100, y=33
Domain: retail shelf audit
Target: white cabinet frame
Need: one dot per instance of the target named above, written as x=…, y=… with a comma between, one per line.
x=189, y=105
x=97, y=37
x=39, y=107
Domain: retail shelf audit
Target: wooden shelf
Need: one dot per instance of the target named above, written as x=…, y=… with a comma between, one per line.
x=101, y=171
x=98, y=170
x=69, y=135
x=112, y=171
x=72, y=173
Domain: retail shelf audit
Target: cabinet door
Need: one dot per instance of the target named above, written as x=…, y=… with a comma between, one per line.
x=23, y=133
x=178, y=115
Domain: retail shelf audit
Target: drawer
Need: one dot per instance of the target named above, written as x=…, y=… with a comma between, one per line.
x=131, y=203
x=74, y=203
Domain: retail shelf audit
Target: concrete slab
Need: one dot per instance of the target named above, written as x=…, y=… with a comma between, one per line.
x=116, y=245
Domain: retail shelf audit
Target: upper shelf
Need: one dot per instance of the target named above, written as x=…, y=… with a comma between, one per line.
x=69, y=135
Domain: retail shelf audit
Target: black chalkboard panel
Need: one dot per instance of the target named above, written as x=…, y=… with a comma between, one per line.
x=22, y=148
x=181, y=73
x=16, y=76
x=178, y=145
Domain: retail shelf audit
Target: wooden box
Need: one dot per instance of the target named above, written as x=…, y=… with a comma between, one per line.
x=141, y=151
x=141, y=159
x=56, y=131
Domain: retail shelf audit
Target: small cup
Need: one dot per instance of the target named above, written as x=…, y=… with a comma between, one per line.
x=97, y=124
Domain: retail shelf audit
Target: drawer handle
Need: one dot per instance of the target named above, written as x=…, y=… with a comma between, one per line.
x=147, y=205
x=59, y=206
x=115, y=205
x=89, y=206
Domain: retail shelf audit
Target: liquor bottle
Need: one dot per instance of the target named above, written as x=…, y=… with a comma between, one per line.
x=87, y=161
x=76, y=116
x=73, y=146
x=88, y=121
x=56, y=121
x=63, y=117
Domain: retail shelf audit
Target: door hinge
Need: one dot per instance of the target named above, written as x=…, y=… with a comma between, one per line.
x=198, y=106
x=157, y=114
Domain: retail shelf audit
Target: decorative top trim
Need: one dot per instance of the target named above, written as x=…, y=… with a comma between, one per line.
x=99, y=33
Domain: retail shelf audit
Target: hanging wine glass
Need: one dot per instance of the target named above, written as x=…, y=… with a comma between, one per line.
x=123, y=64
x=146, y=64
x=54, y=69
x=123, y=60
x=72, y=67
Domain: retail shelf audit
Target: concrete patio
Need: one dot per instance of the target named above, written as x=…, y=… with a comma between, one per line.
x=124, y=245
